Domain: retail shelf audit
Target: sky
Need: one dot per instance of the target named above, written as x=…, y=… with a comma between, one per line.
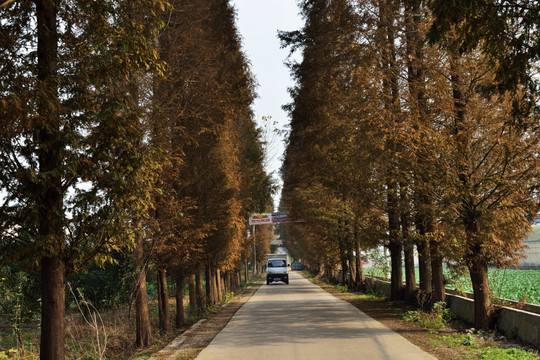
x=258, y=22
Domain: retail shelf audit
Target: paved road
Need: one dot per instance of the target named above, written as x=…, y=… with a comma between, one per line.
x=302, y=321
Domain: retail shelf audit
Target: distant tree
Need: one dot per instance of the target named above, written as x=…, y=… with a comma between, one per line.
x=327, y=171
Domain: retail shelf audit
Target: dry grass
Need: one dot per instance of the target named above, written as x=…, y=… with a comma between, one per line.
x=115, y=338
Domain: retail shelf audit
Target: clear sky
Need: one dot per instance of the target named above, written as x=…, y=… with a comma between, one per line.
x=258, y=22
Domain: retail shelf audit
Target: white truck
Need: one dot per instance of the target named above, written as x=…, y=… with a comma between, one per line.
x=277, y=268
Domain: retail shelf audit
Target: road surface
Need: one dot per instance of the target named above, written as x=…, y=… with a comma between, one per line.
x=301, y=321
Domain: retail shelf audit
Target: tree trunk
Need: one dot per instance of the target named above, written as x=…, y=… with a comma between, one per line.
x=396, y=278
x=424, y=226
x=220, y=290
x=408, y=249
x=192, y=292
x=424, y=265
x=408, y=245
x=352, y=267
x=437, y=275
x=142, y=317
x=360, y=277
x=180, y=313
x=53, y=286
x=246, y=277
x=410, y=276
x=255, y=272
x=394, y=244
x=216, y=285
x=163, y=300
x=344, y=266
x=478, y=269
x=200, y=290
x=209, y=287
x=50, y=196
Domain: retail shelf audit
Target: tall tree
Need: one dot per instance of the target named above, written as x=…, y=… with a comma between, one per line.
x=69, y=138
x=204, y=125
x=495, y=164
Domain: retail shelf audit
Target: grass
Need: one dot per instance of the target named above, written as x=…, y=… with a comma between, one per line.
x=457, y=340
x=484, y=345
x=254, y=280
x=506, y=354
x=311, y=278
x=372, y=297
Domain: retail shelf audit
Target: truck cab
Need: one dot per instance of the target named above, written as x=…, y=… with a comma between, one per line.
x=277, y=269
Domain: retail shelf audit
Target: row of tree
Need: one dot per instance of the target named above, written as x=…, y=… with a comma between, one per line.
x=125, y=127
x=411, y=144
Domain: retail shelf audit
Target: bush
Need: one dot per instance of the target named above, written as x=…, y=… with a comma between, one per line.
x=104, y=287
x=437, y=318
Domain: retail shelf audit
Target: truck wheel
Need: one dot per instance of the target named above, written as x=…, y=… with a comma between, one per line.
x=268, y=282
x=287, y=281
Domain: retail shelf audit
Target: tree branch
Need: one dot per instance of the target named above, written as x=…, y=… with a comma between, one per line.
x=5, y=3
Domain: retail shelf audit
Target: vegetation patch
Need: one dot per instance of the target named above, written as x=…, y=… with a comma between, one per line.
x=437, y=318
x=506, y=354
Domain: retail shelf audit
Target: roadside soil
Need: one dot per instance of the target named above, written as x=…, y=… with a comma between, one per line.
x=205, y=333
x=430, y=340
x=388, y=313
x=384, y=311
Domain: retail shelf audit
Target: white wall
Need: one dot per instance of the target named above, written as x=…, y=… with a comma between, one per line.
x=532, y=253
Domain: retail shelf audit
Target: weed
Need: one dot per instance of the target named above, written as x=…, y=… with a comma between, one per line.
x=506, y=354
x=370, y=296
x=434, y=343
x=437, y=318
x=94, y=321
x=311, y=278
x=456, y=340
x=228, y=297
x=411, y=316
x=342, y=288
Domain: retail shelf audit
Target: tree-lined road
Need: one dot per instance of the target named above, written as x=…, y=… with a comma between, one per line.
x=302, y=321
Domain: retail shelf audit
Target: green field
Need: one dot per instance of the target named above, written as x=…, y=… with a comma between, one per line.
x=509, y=284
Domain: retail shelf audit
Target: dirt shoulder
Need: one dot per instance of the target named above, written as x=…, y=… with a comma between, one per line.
x=454, y=341
x=201, y=337
x=388, y=313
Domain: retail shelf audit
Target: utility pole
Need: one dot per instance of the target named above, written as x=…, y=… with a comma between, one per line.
x=254, y=252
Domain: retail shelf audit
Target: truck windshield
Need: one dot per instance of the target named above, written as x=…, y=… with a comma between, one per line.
x=277, y=263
